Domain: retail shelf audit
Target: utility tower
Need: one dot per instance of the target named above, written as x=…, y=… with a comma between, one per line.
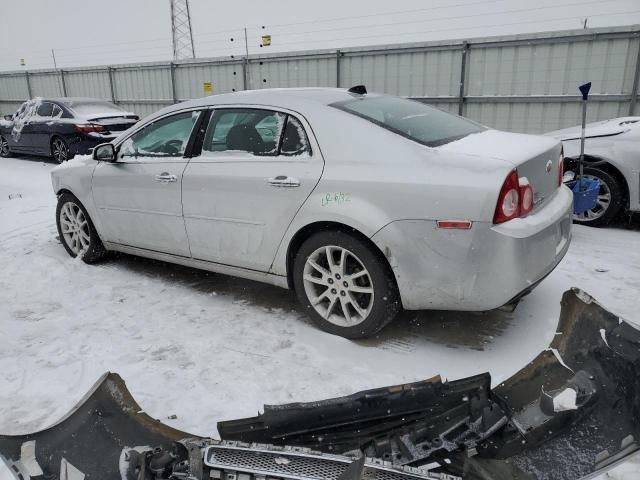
x=181, y=30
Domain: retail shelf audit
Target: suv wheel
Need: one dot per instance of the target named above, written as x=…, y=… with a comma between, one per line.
x=346, y=287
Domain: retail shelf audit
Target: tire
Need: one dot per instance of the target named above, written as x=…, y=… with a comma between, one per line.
x=4, y=147
x=60, y=150
x=371, y=298
x=610, y=199
x=72, y=215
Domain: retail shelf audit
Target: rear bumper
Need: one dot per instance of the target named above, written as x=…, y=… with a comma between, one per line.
x=478, y=269
x=80, y=144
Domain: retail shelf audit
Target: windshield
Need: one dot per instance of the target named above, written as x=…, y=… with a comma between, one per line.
x=92, y=108
x=411, y=119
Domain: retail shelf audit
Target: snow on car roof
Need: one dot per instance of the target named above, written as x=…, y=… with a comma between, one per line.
x=292, y=98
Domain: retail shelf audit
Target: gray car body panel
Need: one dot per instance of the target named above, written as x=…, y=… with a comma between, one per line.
x=389, y=189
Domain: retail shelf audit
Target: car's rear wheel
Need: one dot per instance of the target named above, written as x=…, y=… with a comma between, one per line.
x=60, y=150
x=346, y=287
x=4, y=147
x=610, y=199
x=76, y=230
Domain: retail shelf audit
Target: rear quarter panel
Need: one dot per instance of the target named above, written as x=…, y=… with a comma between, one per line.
x=373, y=177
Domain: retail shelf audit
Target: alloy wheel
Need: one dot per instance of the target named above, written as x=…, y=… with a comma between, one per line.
x=75, y=228
x=60, y=151
x=603, y=203
x=4, y=147
x=338, y=286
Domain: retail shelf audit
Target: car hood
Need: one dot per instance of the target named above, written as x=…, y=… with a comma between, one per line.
x=614, y=126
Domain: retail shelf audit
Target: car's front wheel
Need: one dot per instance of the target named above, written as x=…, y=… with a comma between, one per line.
x=610, y=199
x=76, y=230
x=347, y=288
x=4, y=146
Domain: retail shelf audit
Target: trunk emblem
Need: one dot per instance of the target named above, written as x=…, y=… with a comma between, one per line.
x=548, y=166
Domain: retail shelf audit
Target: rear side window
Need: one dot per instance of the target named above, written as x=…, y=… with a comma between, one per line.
x=294, y=139
x=45, y=109
x=245, y=130
x=411, y=119
x=259, y=132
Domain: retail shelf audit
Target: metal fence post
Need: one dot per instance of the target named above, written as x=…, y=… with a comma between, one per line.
x=112, y=87
x=338, y=55
x=26, y=77
x=636, y=81
x=463, y=73
x=174, y=91
x=245, y=73
x=64, y=84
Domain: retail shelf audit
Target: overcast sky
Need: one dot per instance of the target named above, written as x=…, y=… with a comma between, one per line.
x=91, y=32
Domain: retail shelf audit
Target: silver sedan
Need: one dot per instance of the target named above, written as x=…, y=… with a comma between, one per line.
x=364, y=204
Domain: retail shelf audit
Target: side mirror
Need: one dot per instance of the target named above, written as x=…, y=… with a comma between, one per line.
x=105, y=152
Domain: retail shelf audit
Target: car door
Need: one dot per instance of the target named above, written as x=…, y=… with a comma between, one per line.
x=138, y=197
x=255, y=170
x=21, y=139
x=38, y=129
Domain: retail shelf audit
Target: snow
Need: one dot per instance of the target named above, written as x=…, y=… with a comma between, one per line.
x=612, y=126
x=206, y=347
x=565, y=400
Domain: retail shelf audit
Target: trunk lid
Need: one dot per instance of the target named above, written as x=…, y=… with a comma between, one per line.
x=535, y=157
x=115, y=124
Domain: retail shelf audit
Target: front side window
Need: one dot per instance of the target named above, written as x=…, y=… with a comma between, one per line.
x=166, y=137
x=411, y=119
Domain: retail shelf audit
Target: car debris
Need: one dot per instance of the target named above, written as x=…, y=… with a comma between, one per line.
x=572, y=412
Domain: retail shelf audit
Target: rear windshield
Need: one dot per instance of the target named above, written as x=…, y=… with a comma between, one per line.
x=411, y=119
x=91, y=108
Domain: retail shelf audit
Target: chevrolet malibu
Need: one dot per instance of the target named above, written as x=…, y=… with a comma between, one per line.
x=363, y=204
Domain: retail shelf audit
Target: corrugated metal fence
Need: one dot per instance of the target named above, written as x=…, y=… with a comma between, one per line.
x=525, y=83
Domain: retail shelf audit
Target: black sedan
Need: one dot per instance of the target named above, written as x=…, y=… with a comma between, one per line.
x=62, y=127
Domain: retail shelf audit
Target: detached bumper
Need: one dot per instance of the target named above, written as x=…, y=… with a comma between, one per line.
x=478, y=269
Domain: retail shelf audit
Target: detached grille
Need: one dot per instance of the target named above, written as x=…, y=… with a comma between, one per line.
x=238, y=461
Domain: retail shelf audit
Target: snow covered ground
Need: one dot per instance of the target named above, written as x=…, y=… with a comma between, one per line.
x=206, y=347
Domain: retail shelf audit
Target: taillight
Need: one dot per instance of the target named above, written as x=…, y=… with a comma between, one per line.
x=90, y=127
x=509, y=199
x=561, y=166
x=526, y=196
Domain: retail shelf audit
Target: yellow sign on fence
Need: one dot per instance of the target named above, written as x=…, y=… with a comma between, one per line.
x=266, y=40
x=207, y=87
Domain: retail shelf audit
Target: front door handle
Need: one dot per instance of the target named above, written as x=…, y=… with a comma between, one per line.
x=166, y=177
x=283, y=181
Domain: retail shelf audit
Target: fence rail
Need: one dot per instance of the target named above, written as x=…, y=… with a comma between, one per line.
x=525, y=83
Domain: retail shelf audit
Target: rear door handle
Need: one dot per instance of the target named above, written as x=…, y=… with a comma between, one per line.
x=283, y=181
x=166, y=177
